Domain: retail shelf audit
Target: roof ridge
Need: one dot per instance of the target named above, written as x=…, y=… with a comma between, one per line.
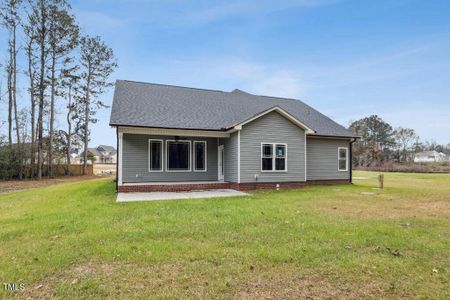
x=212, y=90
x=172, y=85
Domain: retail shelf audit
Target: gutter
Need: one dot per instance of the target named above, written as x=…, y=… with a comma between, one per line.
x=176, y=128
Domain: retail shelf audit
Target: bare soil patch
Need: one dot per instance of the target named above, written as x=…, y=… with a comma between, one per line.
x=380, y=206
x=277, y=284
x=105, y=169
x=196, y=280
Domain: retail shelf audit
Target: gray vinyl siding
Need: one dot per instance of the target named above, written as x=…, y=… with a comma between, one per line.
x=230, y=157
x=322, y=159
x=272, y=128
x=135, y=161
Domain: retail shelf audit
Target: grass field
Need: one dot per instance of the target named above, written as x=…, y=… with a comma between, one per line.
x=72, y=240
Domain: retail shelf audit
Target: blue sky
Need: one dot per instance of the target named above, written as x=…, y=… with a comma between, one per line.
x=348, y=59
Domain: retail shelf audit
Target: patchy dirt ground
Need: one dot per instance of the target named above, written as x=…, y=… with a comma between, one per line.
x=195, y=280
x=382, y=206
x=105, y=169
x=10, y=186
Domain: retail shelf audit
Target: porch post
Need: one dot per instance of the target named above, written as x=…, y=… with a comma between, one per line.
x=239, y=157
x=119, y=163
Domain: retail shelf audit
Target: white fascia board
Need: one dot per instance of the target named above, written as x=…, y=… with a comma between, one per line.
x=281, y=111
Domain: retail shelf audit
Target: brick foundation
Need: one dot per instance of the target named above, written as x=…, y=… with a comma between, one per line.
x=266, y=185
x=173, y=187
x=283, y=185
x=225, y=185
x=328, y=182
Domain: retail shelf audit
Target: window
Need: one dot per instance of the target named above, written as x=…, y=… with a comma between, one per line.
x=273, y=157
x=267, y=157
x=280, y=157
x=178, y=156
x=342, y=159
x=199, y=156
x=155, y=155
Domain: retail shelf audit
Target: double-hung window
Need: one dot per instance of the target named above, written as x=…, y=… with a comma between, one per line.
x=178, y=156
x=155, y=155
x=343, y=159
x=200, y=156
x=273, y=157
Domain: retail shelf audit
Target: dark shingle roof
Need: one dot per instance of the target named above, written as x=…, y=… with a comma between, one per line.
x=94, y=151
x=106, y=148
x=165, y=106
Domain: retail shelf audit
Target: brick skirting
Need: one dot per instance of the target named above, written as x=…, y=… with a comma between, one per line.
x=328, y=182
x=173, y=187
x=283, y=185
x=225, y=185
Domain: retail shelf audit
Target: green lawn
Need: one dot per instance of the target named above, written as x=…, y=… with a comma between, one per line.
x=73, y=241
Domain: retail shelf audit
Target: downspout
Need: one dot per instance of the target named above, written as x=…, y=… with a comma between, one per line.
x=351, y=160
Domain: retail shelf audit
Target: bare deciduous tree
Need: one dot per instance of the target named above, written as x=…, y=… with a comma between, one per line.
x=70, y=82
x=405, y=139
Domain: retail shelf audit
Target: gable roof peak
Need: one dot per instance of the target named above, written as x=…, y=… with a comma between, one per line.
x=238, y=91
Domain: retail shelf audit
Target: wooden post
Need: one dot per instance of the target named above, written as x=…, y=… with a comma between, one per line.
x=380, y=181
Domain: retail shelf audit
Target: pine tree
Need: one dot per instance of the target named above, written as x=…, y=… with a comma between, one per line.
x=97, y=63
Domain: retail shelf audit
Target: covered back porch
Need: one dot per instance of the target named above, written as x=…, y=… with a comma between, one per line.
x=170, y=160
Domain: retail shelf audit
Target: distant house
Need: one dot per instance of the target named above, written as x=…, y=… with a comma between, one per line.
x=430, y=157
x=103, y=154
x=108, y=154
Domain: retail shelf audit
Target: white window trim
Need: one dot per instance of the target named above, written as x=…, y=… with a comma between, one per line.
x=167, y=156
x=220, y=159
x=346, y=159
x=150, y=155
x=205, y=158
x=274, y=158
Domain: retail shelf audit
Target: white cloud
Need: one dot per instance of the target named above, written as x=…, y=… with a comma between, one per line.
x=265, y=80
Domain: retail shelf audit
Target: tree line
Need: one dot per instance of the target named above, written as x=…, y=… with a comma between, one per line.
x=58, y=65
x=379, y=142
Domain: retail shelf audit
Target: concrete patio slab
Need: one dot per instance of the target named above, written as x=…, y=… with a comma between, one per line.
x=154, y=196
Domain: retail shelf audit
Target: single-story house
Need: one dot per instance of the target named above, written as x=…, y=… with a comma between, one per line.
x=430, y=157
x=172, y=138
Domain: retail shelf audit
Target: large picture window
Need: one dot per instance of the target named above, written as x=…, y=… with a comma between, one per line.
x=342, y=159
x=178, y=156
x=273, y=157
x=200, y=156
x=155, y=153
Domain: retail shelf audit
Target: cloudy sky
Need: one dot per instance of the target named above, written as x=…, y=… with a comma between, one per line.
x=348, y=59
